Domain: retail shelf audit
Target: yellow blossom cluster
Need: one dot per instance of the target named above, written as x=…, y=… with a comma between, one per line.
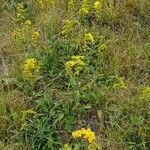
x=89, y=37
x=76, y=61
x=21, y=34
x=120, y=83
x=98, y=6
x=67, y=147
x=102, y=48
x=84, y=10
x=35, y=37
x=75, y=64
x=146, y=93
x=28, y=23
x=31, y=69
x=25, y=34
x=87, y=134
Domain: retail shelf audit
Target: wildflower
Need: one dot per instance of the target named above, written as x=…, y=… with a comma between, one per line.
x=87, y=134
x=146, y=91
x=84, y=10
x=97, y=6
x=94, y=146
x=34, y=38
x=89, y=37
x=28, y=23
x=78, y=57
x=67, y=147
x=77, y=134
x=75, y=64
x=70, y=64
x=120, y=83
x=31, y=69
x=102, y=48
x=75, y=61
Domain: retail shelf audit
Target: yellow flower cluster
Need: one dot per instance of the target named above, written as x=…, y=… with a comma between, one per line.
x=75, y=64
x=21, y=34
x=76, y=61
x=97, y=6
x=31, y=69
x=34, y=38
x=146, y=91
x=87, y=134
x=84, y=10
x=66, y=147
x=120, y=83
x=102, y=48
x=28, y=23
x=89, y=37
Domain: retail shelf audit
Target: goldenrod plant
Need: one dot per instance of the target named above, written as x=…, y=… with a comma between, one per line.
x=74, y=74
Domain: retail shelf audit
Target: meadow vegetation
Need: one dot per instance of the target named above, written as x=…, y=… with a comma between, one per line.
x=74, y=74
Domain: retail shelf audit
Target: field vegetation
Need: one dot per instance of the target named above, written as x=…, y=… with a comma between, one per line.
x=74, y=74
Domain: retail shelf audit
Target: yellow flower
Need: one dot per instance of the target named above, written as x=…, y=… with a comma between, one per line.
x=97, y=6
x=77, y=134
x=34, y=38
x=102, y=48
x=70, y=64
x=87, y=134
x=77, y=57
x=28, y=23
x=74, y=65
x=120, y=83
x=31, y=69
x=89, y=37
x=66, y=147
x=84, y=10
x=146, y=91
x=75, y=61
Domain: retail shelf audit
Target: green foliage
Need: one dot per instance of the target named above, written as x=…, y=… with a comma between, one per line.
x=91, y=71
x=46, y=129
